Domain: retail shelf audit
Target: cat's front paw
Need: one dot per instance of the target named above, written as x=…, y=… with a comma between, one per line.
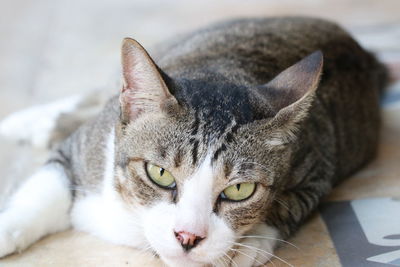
x=14, y=237
x=256, y=248
x=34, y=125
x=7, y=243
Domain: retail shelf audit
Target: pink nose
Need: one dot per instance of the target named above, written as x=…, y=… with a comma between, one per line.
x=188, y=240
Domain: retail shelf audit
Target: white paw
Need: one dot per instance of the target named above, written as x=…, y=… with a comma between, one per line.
x=256, y=248
x=7, y=241
x=34, y=125
x=250, y=253
x=7, y=245
x=31, y=125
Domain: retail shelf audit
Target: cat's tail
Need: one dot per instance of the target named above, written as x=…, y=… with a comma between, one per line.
x=46, y=125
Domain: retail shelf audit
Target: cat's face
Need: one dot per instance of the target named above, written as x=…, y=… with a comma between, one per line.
x=182, y=187
x=200, y=180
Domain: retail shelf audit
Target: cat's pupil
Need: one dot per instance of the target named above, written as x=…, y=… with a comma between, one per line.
x=238, y=187
x=161, y=171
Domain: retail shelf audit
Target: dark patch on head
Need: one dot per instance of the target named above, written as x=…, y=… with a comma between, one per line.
x=195, y=125
x=194, y=152
x=216, y=102
x=228, y=139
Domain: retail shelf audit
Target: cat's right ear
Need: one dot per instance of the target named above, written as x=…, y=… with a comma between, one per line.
x=144, y=89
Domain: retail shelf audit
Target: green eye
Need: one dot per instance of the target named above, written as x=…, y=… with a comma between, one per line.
x=160, y=176
x=238, y=192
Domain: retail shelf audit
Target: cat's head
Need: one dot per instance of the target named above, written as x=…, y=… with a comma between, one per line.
x=201, y=159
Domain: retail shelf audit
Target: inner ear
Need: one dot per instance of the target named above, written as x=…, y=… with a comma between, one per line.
x=294, y=83
x=144, y=89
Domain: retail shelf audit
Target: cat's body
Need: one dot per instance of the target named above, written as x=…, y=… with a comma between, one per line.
x=213, y=118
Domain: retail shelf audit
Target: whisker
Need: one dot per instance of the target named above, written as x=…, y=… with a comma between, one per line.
x=273, y=255
x=268, y=258
x=284, y=205
x=226, y=261
x=271, y=238
x=241, y=252
x=222, y=261
x=216, y=263
x=231, y=259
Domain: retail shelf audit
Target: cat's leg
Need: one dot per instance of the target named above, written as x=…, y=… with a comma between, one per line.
x=256, y=247
x=38, y=208
x=35, y=124
x=44, y=125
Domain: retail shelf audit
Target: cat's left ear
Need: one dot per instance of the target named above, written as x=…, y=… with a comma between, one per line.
x=294, y=84
x=144, y=89
x=291, y=93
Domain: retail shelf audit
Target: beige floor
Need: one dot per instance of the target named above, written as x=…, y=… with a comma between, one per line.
x=50, y=49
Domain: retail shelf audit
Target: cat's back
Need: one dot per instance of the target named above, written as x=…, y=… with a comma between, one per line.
x=252, y=51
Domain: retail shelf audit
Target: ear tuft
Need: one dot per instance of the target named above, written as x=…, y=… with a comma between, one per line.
x=144, y=89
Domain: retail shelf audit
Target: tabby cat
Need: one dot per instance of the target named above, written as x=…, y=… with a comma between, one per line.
x=211, y=152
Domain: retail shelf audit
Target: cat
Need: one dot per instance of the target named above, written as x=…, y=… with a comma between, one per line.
x=212, y=152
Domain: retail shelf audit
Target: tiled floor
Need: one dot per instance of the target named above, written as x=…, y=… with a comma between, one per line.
x=50, y=49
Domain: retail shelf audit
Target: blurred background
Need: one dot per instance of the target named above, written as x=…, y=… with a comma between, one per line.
x=50, y=49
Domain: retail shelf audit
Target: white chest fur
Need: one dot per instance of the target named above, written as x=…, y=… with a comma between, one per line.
x=104, y=214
